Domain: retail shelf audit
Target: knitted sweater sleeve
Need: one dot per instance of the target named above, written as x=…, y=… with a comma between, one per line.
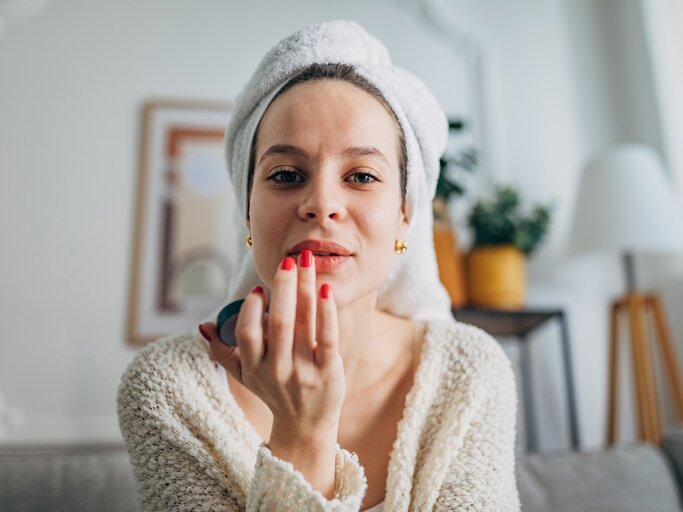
x=482, y=475
x=278, y=486
x=172, y=449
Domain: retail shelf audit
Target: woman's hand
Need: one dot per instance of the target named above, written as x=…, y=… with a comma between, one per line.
x=290, y=357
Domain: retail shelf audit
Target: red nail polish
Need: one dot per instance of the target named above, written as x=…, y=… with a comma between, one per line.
x=325, y=291
x=306, y=258
x=257, y=289
x=206, y=336
x=288, y=263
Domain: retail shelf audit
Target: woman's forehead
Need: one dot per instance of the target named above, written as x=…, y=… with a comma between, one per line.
x=325, y=91
x=333, y=112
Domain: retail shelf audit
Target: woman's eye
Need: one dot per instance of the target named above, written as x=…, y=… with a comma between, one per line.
x=284, y=176
x=364, y=177
x=290, y=176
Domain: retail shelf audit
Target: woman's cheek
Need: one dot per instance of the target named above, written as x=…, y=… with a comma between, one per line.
x=266, y=250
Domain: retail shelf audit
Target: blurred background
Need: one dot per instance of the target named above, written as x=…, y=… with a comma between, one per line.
x=541, y=87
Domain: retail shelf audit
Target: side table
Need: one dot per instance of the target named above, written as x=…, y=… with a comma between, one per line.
x=520, y=324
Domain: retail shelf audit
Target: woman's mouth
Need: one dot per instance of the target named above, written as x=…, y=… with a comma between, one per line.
x=325, y=262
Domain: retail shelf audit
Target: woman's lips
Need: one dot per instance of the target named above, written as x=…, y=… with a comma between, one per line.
x=326, y=263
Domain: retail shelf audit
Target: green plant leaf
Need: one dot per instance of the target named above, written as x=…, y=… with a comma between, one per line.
x=500, y=221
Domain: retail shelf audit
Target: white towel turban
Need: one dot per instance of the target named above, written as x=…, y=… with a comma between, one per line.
x=412, y=288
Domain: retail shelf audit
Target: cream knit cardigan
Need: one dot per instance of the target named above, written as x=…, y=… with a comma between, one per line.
x=192, y=448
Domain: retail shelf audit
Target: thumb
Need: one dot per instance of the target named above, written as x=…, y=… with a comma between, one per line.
x=228, y=357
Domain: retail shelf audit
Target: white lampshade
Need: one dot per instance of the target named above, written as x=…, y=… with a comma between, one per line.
x=626, y=204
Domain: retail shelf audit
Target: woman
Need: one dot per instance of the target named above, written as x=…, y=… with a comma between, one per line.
x=357, y=390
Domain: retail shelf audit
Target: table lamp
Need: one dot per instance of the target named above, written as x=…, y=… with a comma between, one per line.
x=626, y=204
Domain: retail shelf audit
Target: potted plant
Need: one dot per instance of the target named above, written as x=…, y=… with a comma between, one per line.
x=449, y=259
x=503, y=238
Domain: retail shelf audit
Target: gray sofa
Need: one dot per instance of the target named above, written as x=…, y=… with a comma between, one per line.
x=629, y=477
x=633, y=477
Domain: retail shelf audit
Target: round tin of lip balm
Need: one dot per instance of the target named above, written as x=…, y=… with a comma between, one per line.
x=227, y=319
x=225, y=323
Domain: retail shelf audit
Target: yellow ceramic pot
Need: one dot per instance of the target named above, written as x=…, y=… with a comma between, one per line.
x=496, y=276
x=449, y=258
x=450, y=263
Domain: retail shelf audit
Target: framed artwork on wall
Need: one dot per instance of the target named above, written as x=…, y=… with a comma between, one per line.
x=183, y=242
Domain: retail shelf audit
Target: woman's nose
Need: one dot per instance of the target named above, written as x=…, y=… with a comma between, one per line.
x=323, y=200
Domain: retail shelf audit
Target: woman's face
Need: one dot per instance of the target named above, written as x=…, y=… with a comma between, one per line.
x=326, y=168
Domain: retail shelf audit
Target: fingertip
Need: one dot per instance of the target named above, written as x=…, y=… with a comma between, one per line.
x=306, y=258
x=258, y=291
x=202, y=330
x=287, y=263
x=325, y=291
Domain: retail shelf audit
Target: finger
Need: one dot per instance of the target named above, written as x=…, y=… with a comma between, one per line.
x=304, y=325
x=228, y=357
x=327, y=327
x=249, y=329
x=281, y=316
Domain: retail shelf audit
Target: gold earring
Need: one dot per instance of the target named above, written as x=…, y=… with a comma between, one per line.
x=248, y=240
x=400, y=246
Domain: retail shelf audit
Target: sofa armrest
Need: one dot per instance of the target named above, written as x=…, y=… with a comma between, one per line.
x=672, y=446
x=630, y=477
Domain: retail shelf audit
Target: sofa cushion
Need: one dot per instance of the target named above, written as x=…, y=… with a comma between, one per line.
x=71, y=478
x=626, y=478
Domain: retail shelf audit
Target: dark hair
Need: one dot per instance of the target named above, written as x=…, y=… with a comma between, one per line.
x=347, y=73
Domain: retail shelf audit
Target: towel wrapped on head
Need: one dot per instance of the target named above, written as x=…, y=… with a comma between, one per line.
x=412, y=288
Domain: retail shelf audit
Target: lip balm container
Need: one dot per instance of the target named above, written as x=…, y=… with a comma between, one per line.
x=227, y=320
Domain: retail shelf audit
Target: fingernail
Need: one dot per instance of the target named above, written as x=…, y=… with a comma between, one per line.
x=306, y=258
x=288, y=263
x=257, y=289
x=206, y=336
x=325, y=291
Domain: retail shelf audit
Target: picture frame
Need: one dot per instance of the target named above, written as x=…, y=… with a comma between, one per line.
x=183, y=243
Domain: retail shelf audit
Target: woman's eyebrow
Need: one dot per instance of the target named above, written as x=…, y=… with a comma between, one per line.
x=283, y=149
x=364, y=151
x=288, y=149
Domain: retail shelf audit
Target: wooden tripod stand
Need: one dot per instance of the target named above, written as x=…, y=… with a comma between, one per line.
x=636, y=305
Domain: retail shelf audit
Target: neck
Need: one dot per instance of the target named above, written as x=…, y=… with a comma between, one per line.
x=363, y=334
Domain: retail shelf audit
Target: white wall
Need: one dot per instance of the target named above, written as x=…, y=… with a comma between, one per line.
x=74, y=76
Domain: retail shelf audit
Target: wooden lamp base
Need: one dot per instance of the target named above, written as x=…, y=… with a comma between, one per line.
x=636, y=305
